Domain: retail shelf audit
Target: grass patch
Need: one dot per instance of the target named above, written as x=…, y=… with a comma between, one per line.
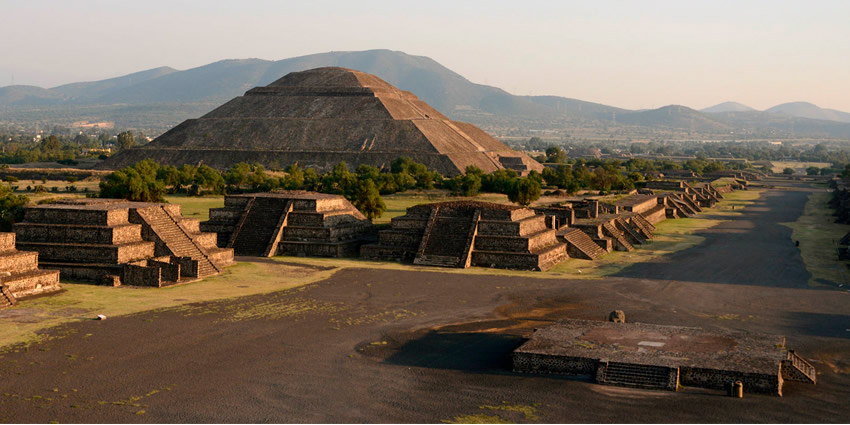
x=84, y=301
x=818, y=235
x=478, y=418
x=196, y=206
x=798, y=166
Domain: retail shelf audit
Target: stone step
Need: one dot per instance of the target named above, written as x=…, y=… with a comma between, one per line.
x=637, y=376
x=33, y=282
x=437, y=261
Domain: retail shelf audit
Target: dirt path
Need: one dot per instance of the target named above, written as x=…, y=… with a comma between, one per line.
x=372, y=345
x=750, y=249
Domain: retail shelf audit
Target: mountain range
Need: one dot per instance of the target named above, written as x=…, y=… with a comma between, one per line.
x=165, y=96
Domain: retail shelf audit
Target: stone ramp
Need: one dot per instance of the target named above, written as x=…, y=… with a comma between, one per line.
x=177, y=239
x=580, y=245
x=258, y=227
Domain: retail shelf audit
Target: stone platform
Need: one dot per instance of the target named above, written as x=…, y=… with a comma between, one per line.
x=662, y=357
x=289, y=223
x=20, y=275
x=115, y=242
x=468, y=233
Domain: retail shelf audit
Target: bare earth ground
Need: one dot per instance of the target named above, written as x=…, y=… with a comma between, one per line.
x=370, y=345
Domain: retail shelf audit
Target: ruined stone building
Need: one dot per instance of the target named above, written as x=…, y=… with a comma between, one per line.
x=468, y=233
x=641, y=355
x=289, y=223
x=19, y=273
x=116, y=242
x=322, y=116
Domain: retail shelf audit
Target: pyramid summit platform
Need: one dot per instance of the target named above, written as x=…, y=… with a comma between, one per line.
x=319, y=117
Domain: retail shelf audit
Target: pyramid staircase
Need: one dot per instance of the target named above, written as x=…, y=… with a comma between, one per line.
x=580, y=245
x=642, y=225
x=258, y=227
x=177, y=239
x=6, y=298
x=631, y=234
x=637, y=376
x=447, y=240
x=621, y=242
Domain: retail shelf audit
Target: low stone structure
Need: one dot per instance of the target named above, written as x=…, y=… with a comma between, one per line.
x=289, y=223
x=465, y=233
x=662, y=357
x=19, y=273
x=117, y=242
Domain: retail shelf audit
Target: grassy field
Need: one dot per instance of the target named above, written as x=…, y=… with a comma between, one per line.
x=196, y=207
x=56, y=189
x=798, y=166
x=818, y=235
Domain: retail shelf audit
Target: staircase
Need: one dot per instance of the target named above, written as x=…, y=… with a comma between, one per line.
x=258, y=227
x=582, y=243
x=643, y=225
x=6, y=298
x=447, y=238
x=177, y=240
x=613, y=232
x=805, y=372
x=630, y=233
x=636, y=376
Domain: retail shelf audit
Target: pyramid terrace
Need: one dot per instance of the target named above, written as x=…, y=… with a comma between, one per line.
x=116, y=242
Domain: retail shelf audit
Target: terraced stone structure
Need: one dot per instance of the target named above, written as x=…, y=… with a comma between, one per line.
x=19, y=273
x=322, y=116
x=463, y=234
x=660, y=357
x=116, y=242
x=289, y=223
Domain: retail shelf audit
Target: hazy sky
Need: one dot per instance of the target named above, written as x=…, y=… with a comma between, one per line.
x=632, y=54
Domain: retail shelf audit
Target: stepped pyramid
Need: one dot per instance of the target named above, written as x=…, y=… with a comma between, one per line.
x=466, y=233
x=120, y=242
x=319, y=117
x=289, y=223
x=19, y=273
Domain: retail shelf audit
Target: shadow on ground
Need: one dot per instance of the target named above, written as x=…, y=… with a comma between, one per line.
x=470, y=352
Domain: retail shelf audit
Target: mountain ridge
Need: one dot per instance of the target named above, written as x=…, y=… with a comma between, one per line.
x=446, y=90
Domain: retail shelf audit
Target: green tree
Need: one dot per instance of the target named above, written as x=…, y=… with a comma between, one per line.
x=788, y=171
x=366, y=198
x=125, y=140
x=813, y=171
x=11, y=207
x=136, y=183
x=524, y=191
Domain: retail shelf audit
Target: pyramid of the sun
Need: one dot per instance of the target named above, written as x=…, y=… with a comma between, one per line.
x=319, y=117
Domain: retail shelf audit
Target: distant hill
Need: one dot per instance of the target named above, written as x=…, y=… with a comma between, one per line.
x=808, y=110
x=673, y=116
x=728, y=107
x=160, y=98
